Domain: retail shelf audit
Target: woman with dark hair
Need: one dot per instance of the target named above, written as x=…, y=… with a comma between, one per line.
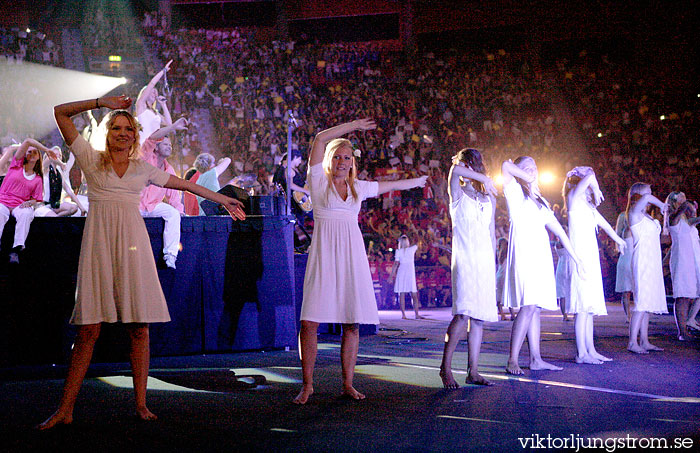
x=338, y=283
x=681, y=220
x=586, y=298
x=530, y=284
x=649, y=289
x=21, y=190
x=472, y=208
x=117, y=277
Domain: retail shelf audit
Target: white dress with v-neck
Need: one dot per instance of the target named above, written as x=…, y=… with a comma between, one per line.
x=338, y=284
x=117, y=277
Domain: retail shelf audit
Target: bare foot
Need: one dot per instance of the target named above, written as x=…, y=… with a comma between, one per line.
x=420, y=317
x=599, y=356
x=693, y=324
x=144, y=414
x=651, y=347
x=55, y=420
x=404, y=317
x=304, y=395
x=447, y=380
x=352, y=393
x=514, y=368
x=637, y=349
x=477, y=379
x=542, y=365
x=588, y=359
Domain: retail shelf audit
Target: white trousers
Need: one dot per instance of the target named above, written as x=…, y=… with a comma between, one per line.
x=171, y=232
x=23, y=216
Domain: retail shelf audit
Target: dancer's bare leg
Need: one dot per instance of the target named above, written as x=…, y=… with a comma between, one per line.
x=583, y=355
x=139, y=354
x=476, y=332
x=533, y=342
x=590, y=342
x=416, y=305
x=349, y=345
x=562, y=307
x=79, y=362
x=308, y=348
x=635, y=326
x=520, y=328
x=626, y=305
x=402, y=305
x=455, y=333
x=644, y=335
x=693, y=312
x=681, y=305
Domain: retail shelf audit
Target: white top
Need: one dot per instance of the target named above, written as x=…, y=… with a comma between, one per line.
x=685, y=260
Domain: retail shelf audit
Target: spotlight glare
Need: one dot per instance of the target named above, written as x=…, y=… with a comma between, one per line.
x=498, y=179
x=546, y=177
x=600, y=134
x=28, y=30
x=662, y=117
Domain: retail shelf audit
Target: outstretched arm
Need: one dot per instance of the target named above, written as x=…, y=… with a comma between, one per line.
x=322, y=138
x=402, y=184
x=600, y=220
x=141, y=106
x=64, y=112
x=555, y=227
x=233, y=206
x=179, y=125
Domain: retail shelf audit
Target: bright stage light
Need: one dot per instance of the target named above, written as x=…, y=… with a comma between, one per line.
x=600, y=134
x=38, y=88
x=498, y=179
x=546, y=178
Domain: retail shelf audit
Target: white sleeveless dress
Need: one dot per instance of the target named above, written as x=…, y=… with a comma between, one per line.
x=685, y=260
x=406, y=273
x=649, y=289
x=473, y=260
x=586, y=295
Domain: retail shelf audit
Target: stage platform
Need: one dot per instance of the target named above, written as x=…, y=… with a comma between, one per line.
x=233, y=290
x=211, y=403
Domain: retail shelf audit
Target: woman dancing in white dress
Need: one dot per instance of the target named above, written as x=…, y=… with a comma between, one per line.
x=624, y=280
x=530, y=284
x=404, y=274
x=649, y=289
x=338, y=284
x=117, y=278
x=586, y=298
x=680, y=220
x=472, y=208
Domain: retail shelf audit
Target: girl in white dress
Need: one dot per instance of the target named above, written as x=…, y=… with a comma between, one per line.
x=624, y=280
x=562, y=277
x=681, y=220
x=530, y=284
x=586, y=298
x=146, y=109
x=404, y=274
x=338, y=284
x=117, y=278
x=649, y=290
x=472, y=208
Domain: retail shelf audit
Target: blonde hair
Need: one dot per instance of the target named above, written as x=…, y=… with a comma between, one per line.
x=203, y=162
x=673, y=205
x=331, y=148
x=106, y=156
x=404, y=242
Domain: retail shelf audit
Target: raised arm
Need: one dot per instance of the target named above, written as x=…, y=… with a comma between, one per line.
x=509, y=171
x=222, y=165
x=24, y=147
x=637, y=211
x=580, y=190
x=233, y=206
x=460, y=169
x=322, y=138
x=163, y=102
x=141, y=106
x=64, y=112
x=179, y=125
x=7, y=154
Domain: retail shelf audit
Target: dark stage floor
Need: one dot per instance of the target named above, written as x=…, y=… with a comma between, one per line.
x=205, y=403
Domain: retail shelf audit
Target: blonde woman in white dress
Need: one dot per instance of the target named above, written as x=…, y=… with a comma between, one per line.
x=681, y=220
x=530, y=284
x=404, y=275
x=338, y=284
x=472, y=207
x=649, y=289
x=586, y=297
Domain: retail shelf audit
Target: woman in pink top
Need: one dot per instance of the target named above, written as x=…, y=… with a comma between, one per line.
x=21, y=189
